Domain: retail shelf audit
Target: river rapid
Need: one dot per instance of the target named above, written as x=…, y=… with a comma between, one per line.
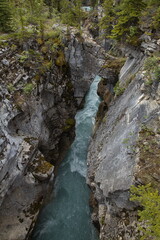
x=68, y=215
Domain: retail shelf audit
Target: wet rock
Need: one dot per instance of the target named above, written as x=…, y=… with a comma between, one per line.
x=41, y=169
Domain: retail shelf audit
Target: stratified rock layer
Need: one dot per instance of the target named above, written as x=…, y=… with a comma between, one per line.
x=40, y=92
x=121, y=149
x=37, y=111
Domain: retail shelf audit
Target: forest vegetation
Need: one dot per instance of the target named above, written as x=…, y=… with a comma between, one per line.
x=124, y=20
x=149, y=218
x=31, y=15
x=127, y=20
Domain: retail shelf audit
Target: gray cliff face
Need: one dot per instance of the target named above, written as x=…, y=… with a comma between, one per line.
x=36, y=127
x=37, y=110
x=86, y=60
x=116, y=157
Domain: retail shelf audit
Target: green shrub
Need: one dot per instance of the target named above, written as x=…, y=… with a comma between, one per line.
x=60, y=61
x=118, y=90
x=11, y=88
x=149, y=217
x=116, y=64
x=24, y=56
x=157, y=73
x=150, y=63
x=152, y=67
x=70, y=123
x=28, y=88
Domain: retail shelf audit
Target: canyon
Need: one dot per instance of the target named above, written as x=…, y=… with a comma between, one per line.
x=37, y=126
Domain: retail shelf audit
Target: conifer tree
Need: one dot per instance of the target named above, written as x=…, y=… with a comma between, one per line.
x=152, y=14
x=72, y=13
x=149, y=198
x=129, y=13
x=107, y=21
x=122, y=19
x=94, y=3
x=50, y=8
x=5, y=16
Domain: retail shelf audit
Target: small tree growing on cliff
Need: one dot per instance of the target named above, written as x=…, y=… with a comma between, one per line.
x=149, y=199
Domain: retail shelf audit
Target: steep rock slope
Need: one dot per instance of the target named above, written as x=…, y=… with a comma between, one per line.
x=86, y=59
x=125, y=148
x=37, y=122
x=40, y=92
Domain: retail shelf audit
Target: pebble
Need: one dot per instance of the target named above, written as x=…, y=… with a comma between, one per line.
x=5, y=62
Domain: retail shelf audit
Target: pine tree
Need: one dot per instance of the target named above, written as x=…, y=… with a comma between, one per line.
x=124, y=19
x=149, y=199
x=94, y=3
x=107, y=21
x=78, y=12
x=50, y=8
x=151, y=15
x=72, y=13
x=129, y=13
x=5, y=16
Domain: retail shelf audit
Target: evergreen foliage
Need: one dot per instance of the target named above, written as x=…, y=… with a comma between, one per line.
x=94, y=3
x=28, y=16
x=109, y=16
x=127, y=25
x=152, y=13
x=31, y=14
x=71, y=12
x=149, y=199
x=5, y=16
x=125, y=20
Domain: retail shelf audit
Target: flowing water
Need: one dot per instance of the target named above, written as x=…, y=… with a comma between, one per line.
x=67, y=216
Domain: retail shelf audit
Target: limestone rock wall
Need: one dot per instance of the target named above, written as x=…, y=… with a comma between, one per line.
x=37, y=110
x=40, y=93
x=86, y=59
x=120, y=153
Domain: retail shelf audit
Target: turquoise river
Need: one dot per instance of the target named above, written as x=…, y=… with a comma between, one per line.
x=68, y=216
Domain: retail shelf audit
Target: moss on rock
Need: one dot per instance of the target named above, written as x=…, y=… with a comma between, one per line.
x=149, y=156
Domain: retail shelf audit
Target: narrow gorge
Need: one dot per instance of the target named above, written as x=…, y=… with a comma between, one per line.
x=37, y=121
x=67, y=216
x=69, y=156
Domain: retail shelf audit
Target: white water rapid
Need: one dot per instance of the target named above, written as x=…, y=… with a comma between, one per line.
x=68, y=216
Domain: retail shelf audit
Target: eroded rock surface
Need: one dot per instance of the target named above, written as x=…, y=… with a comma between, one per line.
x=40, y=93
x=37, y=126
x=121, y=149
x=86, y=59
